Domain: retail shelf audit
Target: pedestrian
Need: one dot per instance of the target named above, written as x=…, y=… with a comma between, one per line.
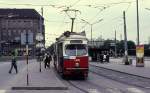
x=101, y=58
x=47, y=61
x=13, y=62
x=107, y=57
x=104, y=57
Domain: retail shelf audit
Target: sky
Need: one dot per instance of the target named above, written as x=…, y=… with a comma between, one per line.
x=111, y=11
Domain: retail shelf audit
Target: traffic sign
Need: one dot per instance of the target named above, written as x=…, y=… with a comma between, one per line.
x=39, y=45
x=23, y=38
x=39, y=37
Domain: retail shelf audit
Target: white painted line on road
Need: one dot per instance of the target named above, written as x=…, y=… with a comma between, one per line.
x=121, y=77
x=2, y=91
x=147, y=87
x=135, y=90
x=115, y=90
x=93, y=91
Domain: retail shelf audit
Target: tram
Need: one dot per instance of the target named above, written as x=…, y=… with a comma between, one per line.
x=71, y=54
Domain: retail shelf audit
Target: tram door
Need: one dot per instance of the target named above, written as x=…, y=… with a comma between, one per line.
x=60, y=57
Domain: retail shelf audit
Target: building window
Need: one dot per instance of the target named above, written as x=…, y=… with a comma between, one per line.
x=19, y=32
x=9, y=32
x=14, y=31
x=4, y=32
x=24, y=31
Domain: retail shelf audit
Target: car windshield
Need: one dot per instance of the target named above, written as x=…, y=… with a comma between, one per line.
x=76, y=49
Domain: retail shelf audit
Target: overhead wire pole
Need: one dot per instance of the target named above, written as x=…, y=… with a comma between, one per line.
x=40, y=32
x=42, y=12
x=91, y=24
x=137, y=7
x=125, y=40
x=91, y=32
x=27, y=57
x=115, y=45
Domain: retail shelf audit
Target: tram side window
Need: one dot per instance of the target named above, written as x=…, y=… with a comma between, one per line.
x=76, y=50
x=60, y=52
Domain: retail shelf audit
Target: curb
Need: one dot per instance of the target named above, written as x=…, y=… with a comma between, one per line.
x=121, y=72
x=39, y=88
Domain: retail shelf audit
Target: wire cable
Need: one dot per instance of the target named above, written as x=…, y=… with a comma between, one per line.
x=75, y=3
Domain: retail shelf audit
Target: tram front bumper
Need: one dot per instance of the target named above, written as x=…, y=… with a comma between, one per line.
x=76, y=71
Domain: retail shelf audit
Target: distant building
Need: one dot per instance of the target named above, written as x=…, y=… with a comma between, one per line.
x=16, y=22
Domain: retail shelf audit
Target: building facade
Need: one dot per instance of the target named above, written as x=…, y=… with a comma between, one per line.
x=14, y=23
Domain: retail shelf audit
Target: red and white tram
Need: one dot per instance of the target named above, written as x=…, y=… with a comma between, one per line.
x=71, y=54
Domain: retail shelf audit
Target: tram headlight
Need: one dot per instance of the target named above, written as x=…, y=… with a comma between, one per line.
x=77, y=64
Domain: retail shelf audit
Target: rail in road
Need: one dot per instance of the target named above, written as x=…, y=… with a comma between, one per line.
x=126, y=78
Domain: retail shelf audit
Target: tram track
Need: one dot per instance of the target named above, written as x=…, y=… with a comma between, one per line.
x=77, y=87
x=93, y=87
x=125, y=78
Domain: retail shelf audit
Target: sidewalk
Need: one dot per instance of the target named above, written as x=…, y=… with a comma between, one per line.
x=119, y=66
x=46, y=80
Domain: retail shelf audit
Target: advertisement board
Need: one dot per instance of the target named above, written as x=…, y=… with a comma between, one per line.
x=140, y=55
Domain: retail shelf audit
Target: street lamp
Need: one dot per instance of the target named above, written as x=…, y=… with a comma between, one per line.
x=91, y=24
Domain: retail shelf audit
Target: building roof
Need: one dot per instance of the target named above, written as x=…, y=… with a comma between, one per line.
x=19, y=13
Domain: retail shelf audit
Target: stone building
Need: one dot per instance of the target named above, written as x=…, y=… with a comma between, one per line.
x=16, y=22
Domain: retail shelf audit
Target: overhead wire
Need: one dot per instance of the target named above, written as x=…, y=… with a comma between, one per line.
x=75, y=3
x=61, y=25
x=110, y=5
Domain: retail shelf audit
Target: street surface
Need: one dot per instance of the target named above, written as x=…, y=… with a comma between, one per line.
x=48, y=81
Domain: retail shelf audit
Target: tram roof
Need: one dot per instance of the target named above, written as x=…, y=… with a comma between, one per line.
x=72, y=35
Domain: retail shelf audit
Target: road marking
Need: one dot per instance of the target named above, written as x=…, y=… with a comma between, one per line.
x=121, y=77
x=93, y=91
x=147, y=87
x=115, y=90
x=135, y=90
x=2, y=91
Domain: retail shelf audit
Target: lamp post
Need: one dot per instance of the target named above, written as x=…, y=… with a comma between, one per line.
x=91, y=25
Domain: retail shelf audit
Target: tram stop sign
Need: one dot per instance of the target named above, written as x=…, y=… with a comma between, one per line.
x=39, y=45
x=39, y=37
x=140, y=56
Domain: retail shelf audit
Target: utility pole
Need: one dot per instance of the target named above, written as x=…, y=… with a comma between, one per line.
x=137, y=7
x=91, y=32
x=27, y=56
x=91, y=24
x=125, y=41
x=41, y=33
x=115, y=45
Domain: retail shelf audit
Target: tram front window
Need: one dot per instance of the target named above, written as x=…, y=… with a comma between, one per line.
x=76, y=50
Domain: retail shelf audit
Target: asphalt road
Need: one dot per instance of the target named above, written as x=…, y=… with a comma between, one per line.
x=97, y=83
x=94, y=84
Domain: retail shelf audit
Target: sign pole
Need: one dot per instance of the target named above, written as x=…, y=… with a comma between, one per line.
x=40, y=60
x=27, y=57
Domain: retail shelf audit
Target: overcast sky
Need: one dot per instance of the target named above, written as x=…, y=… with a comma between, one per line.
x=111, y=11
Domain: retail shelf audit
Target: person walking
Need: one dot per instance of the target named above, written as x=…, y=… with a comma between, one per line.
x=107, y=57
x=13, y=62
x=46, y=61
x=49, y=60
